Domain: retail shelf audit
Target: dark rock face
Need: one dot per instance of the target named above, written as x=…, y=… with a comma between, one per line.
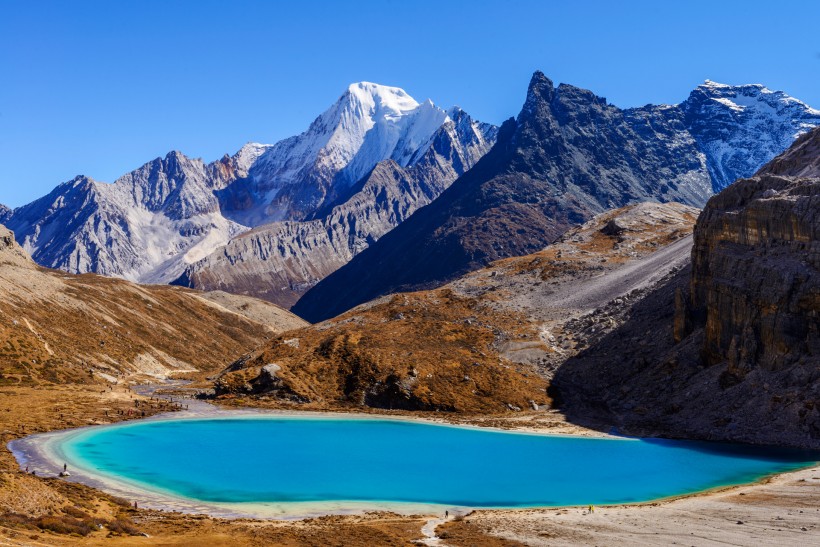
x=739, y=358
x=5, y=212
x=756, y=268
x=568, y=156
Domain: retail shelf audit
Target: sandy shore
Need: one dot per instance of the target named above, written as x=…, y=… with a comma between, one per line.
x=42, y=454
x=782, y=510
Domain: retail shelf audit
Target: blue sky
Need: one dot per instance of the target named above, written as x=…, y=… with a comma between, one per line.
x=99, y=88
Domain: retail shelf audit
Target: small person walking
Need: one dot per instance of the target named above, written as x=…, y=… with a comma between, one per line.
x=65, y=467
x=447, y=514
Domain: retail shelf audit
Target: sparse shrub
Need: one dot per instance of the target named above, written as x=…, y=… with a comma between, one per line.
x=123, y=526
x=76, y=512
x=122, y=502
x=64, y=525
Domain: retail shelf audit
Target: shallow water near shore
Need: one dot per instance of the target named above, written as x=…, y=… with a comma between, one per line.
x=263, y=459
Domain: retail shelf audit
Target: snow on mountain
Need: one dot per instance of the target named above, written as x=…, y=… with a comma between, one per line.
x=147, y=226
x=151, y=223
x=154, y=222
x=4, y=212
x=281, y=260
x=740, y=128
x=368, y=124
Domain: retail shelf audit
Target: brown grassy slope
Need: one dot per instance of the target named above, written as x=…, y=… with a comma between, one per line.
x=57, y=327
x=469, y=346
x=415, y=351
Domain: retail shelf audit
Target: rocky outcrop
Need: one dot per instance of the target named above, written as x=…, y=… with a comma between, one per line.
x=4, y=213
x=281, y=261
x=801, y=160
x=756, y=268
x=10, y=252
x=739, y=358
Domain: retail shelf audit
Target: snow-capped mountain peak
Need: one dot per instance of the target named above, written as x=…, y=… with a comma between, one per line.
x=371, y=123
x=367, y=124
x=741, y=127
x=247, y=156
x=154, y=221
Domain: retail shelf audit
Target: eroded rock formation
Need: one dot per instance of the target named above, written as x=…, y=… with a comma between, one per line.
x=732, y=351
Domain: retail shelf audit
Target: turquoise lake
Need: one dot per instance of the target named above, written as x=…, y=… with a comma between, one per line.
x=262, y=460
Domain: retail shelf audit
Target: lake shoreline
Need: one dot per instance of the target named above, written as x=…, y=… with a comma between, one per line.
x=41, y=453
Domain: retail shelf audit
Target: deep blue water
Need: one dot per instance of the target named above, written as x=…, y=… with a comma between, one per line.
x=298, y=459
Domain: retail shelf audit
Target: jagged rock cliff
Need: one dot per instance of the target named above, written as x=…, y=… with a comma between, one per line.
x=756, y=268
x=739, y=357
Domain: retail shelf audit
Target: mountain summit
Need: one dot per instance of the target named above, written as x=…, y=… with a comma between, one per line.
x=740, y=128
x=567, y=156
x=151, y=223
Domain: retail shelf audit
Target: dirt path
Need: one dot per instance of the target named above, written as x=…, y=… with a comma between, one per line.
x=638, y=274
x=37, y=334
x=429, y=531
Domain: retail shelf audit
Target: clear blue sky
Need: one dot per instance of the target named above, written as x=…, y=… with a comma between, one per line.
x=99, y=88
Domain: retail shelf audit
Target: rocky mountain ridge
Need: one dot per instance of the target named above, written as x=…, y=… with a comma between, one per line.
x=568, y=156
x=180, y=218
x=151, y=223
x=281, y=261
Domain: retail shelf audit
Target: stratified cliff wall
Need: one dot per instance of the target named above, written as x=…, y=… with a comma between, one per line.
x=732, y=351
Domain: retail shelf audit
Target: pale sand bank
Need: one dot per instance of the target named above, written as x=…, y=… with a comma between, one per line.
x=782, y=510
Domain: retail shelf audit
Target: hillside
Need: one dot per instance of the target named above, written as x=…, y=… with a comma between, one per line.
x=62, y=328
x=485, y=343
